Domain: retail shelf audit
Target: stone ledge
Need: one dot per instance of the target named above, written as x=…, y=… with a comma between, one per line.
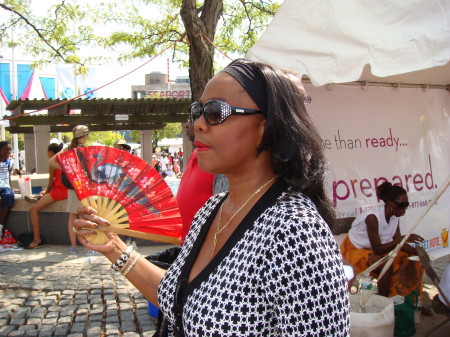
x=21, y=204
x=53, y=223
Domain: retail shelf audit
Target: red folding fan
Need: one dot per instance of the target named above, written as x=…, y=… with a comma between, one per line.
x=125, y=190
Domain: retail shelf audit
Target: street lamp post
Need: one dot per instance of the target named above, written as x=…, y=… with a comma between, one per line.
x=14, y=92
x=2, y=109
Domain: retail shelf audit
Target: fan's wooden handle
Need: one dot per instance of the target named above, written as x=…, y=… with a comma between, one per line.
x=141, y=235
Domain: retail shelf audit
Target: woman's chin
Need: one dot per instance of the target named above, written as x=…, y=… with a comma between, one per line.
x=208, y=167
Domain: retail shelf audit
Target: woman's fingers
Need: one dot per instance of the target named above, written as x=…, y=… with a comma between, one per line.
x=414, y=238
x=95, y=219
x=86, y=209
x=82, y=223
x=104, y=248
x=417, y=237
x=89, y=219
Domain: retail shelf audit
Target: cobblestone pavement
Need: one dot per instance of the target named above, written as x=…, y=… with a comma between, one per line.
x=47, y=292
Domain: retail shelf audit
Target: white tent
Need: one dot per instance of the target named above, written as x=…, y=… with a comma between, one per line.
x=333, y=41
x=171, y=142
x=394, y=123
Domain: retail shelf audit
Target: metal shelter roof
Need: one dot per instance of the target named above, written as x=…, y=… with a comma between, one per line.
x=99, y=114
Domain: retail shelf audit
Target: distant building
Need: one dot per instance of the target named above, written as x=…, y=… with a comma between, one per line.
x=158, y=86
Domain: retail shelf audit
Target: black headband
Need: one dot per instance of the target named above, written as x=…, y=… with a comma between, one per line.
x=251, y=80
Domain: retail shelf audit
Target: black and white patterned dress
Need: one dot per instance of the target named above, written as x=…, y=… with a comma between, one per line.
x=279, y=274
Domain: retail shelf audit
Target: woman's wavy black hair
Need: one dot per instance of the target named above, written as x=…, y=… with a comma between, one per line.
x=388, y=192
x=295, y=144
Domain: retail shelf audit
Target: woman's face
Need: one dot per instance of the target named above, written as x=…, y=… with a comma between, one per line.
x=400, y=205
x=229, y=147
x=83, y=140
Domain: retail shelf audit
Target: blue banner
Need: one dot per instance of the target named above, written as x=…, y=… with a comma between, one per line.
x=5, y=82
x=48, y=87
x=24, y=79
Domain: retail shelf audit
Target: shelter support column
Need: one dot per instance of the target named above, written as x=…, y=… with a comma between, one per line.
x=30, y=159
x=41, y=141
x=188, y=147
x=146, y=145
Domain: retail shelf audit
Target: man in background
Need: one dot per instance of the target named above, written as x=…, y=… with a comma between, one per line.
x=121, y=144
x=6, y=193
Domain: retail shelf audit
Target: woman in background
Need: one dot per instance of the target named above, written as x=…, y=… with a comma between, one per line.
x=80, y=137
x=54, y=191
x=375, y=233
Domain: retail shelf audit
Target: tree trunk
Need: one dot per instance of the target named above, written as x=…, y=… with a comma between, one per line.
x=201, y=51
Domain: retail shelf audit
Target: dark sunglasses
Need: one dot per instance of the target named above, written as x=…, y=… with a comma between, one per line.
x=216, y=111
x=403, y=205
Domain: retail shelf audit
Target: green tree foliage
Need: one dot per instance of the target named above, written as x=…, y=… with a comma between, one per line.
x=171, y=130
x=107, y=138
x=135, y=136
x=136, y=30
x=52, y=37
x=20, y=138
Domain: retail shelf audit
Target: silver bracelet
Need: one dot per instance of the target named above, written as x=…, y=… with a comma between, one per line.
x=132, y=264
x=123, y=259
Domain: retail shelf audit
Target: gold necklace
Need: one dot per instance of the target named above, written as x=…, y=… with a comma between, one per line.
x=220, y=230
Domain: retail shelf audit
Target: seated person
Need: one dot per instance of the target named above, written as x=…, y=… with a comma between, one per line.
x=6, y=193
x=54, y=191
x=375, y=233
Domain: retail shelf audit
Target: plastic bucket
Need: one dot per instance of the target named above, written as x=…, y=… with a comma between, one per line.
x=24, y=185
x=152, y=310
x=36, y=189
x=379, y=321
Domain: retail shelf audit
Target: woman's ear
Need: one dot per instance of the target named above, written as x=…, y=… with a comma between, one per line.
x=389, y=206
x=261, y=129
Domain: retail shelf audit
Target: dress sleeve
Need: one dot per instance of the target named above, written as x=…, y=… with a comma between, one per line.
x=304, y=276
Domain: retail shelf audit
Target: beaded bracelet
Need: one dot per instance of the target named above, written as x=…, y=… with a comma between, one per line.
x=123, y=259
x=132, y=264
x=130, y=260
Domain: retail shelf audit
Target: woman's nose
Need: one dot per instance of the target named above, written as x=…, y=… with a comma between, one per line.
x=200, y=124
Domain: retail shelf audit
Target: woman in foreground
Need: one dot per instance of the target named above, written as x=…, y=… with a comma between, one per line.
x=259, y=260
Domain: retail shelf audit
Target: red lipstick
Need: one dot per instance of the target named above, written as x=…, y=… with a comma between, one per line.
x=200, y=146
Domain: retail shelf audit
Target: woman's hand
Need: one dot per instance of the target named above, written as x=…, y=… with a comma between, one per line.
x=88, y=219
x=414, y=238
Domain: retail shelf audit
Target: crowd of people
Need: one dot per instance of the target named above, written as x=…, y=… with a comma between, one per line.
x=168, y=164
